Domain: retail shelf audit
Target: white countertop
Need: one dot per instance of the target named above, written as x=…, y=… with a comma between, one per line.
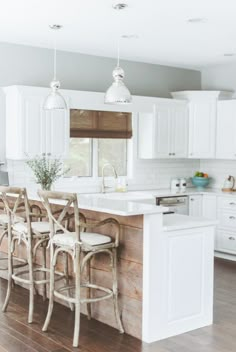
x=121, y=205
x=133, y=202
x=174, y=222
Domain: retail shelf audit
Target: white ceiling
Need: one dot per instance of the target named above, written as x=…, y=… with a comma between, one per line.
x=93, y=26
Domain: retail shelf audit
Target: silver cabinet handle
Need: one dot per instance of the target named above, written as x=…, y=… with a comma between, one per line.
x=170, y=154
x=232, y=238
x=232, y=203
x=191, y=199
x=173, y=154
x=232, y=217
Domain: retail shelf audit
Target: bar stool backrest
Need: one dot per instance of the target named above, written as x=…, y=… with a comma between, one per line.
x=59, y=222
x=15, y=201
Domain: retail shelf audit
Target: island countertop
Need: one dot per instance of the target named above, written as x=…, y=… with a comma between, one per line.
x=121, y=207
x=174, y=222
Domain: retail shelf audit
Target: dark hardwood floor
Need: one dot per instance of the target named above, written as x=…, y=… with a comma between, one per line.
x=16, y=335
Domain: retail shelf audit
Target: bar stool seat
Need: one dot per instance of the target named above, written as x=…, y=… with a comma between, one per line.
x=38, y=227
x=87, y=238
x=4, y=219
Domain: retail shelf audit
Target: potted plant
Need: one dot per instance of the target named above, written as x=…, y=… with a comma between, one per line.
x=46, y=170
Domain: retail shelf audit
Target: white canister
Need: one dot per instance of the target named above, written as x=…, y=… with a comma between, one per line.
x=183, y=184
x=175, y=184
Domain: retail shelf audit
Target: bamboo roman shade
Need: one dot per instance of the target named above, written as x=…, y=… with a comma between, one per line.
x=100, y=124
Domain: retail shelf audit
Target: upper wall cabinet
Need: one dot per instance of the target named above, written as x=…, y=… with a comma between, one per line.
x=202, y=121
x=163, y=133
x=30, y=130
x=226, y=130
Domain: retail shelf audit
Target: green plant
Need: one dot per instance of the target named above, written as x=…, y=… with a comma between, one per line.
x=46, y=170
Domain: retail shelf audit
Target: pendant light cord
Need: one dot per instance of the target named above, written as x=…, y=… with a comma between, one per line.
x=55, y=59
x=118, y=53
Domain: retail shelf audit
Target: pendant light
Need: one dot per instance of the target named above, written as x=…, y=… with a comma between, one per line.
x=118, y=93
x=55, y=100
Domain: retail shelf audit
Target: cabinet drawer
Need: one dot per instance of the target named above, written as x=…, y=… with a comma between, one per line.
x=227, y=219
x=226, y=241
x=227, y=203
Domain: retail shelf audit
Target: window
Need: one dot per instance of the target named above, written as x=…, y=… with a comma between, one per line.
x=112, y=151
x=87, y=156
x=79, y=161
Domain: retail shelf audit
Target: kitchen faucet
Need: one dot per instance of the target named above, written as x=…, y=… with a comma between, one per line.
x=104, y=187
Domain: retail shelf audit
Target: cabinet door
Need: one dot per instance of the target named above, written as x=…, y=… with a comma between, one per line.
x=195, y=205
x=146, y=136
x=57, y=132
x=154, y=133
x=163, y=132
x=179, y=127
x=33, y=128
x=226, y=130
x=209, y=207
x=202, y=128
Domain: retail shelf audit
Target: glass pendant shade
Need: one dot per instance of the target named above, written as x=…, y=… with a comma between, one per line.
x=55, y=100
x=118, y=93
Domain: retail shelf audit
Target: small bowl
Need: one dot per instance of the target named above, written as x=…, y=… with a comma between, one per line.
x=200, y=182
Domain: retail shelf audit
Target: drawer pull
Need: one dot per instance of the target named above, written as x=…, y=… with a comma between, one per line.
x=232, y=203
x=232, y=217
x=232, y=238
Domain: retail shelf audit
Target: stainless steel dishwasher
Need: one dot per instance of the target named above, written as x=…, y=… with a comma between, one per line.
x=176, y=204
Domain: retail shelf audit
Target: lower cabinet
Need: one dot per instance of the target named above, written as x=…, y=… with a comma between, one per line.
x=195, y=205
x=226, y=230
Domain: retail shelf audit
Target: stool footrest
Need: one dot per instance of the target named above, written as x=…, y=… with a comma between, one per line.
x=108, y=291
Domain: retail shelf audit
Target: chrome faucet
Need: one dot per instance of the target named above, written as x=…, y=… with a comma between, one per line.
x=104, y=187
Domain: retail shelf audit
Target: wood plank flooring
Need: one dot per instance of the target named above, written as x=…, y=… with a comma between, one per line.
x=18, y=336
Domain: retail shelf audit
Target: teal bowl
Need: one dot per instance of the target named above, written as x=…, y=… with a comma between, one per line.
x=200, y=182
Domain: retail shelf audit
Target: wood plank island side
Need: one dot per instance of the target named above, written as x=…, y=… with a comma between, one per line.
x=130, y=271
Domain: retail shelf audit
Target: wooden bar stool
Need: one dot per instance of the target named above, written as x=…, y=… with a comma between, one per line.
x=81, y=246
x=33, y=234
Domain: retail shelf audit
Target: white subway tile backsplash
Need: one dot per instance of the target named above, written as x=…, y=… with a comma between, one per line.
x=147, y=174
x=218, y=170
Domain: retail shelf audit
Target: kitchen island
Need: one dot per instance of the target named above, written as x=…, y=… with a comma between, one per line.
x=165, y=268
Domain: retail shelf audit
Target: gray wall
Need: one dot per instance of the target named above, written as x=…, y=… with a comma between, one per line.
x=33, y=66
x=220, y=77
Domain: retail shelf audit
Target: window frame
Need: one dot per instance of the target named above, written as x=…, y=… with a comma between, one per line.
x=94, y=163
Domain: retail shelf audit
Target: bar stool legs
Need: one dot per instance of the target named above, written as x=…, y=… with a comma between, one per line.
x=115, y=290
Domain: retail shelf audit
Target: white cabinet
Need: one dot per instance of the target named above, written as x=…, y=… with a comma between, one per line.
x=226, y=230
x=202, y=121
x=30, y=130
x=209, y=207
x=226, y=130
x=195, y=205
x=163, y=134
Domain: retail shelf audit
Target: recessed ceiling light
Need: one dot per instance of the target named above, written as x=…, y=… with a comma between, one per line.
x=55, y=26
x=229, y=54
x=197, y=20
x=130, y=36
x=120, y=6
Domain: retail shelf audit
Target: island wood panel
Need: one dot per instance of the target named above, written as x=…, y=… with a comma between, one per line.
x=129, y=271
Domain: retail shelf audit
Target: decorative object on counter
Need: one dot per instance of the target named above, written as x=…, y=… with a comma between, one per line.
x=183, y=184
x=46, y=170
x=229, y=184
x=121, y=184
x=175, y=184
x=55, y=100
x=200, y=180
